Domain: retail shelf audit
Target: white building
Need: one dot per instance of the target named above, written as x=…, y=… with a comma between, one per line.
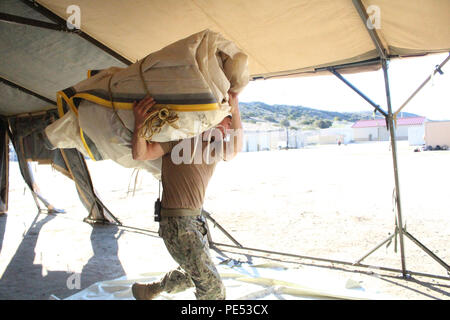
x=259, y=140
x=437, y=133
x=411, y=129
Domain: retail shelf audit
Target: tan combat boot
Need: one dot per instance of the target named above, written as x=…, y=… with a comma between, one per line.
x=146, y=291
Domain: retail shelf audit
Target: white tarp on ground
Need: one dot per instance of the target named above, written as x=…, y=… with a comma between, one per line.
x=249, y=282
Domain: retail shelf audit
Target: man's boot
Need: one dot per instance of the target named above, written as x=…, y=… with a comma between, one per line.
x=146, y=291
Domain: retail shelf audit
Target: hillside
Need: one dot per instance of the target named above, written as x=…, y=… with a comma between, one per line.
x=299, y=116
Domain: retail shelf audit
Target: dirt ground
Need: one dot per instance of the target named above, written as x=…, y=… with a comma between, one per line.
x=331, y=202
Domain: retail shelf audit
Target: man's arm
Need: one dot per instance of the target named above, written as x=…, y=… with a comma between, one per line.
x=236, y=135
x=141, y=148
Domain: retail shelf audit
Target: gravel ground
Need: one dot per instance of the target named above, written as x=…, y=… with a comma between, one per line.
x=332, y=202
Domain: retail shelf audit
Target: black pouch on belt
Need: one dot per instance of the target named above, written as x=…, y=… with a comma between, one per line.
x=157, y=213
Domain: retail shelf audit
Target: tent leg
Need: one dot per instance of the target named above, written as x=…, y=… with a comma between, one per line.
x=428, y=251
x=374, y=249
x=208, y=216
x=390, y=125
x=436, y=70
x=399, y=225
x=391, y=128
x=351, y=86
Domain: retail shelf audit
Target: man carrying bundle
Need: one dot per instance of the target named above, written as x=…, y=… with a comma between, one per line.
x=182, y=226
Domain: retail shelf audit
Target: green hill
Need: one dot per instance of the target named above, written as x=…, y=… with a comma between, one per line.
x=299, y=116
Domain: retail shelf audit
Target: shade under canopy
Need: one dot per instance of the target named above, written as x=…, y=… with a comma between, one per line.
x=282, y=38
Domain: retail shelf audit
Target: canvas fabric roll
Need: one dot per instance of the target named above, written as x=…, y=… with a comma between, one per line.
x=189, y=80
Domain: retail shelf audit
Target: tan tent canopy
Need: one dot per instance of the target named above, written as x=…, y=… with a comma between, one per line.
x=281, y=37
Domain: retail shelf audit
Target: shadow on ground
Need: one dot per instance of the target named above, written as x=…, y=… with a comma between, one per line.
x=22, y=272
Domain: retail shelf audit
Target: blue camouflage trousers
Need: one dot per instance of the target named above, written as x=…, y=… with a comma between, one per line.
x=186, y=240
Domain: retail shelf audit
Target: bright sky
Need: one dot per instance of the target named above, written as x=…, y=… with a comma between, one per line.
x=330, y=93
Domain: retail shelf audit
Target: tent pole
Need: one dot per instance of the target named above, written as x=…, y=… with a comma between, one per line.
x=372, y=32
x=9, y=18
x=27, y=91
x=375, y=249
x=208, y=216
x=428, y=251
x=333, y=262
x=382, y=52
x=57, y=19
x=436, y=70
x=340, y=77
x=390, y=124
x=391, y=128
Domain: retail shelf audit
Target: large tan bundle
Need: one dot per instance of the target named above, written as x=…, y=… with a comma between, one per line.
x=189, y=80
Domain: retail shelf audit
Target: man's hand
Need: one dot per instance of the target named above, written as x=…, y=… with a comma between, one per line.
x=142, y=149
x=141, y=109
x=233, y=101
x=234, y=146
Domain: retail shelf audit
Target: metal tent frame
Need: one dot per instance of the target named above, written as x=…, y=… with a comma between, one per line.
x=400, y=228
x=390, y=118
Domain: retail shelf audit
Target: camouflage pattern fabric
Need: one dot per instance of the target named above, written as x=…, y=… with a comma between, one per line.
x=186, y=241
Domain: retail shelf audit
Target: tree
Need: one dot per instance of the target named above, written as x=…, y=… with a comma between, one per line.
x=270, y=119
x=323, y=124
x=307, y=121
x=285, y=123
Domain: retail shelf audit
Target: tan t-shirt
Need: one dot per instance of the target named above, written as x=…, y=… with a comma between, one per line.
x=185, y=173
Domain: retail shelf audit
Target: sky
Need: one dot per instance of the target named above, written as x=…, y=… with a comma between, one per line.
x=331, y=94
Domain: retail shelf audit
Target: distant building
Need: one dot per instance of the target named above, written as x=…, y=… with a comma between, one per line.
x=257, y=140
x=411, y=129
x=437, y=133
x=333, y=135
x=264, y=140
